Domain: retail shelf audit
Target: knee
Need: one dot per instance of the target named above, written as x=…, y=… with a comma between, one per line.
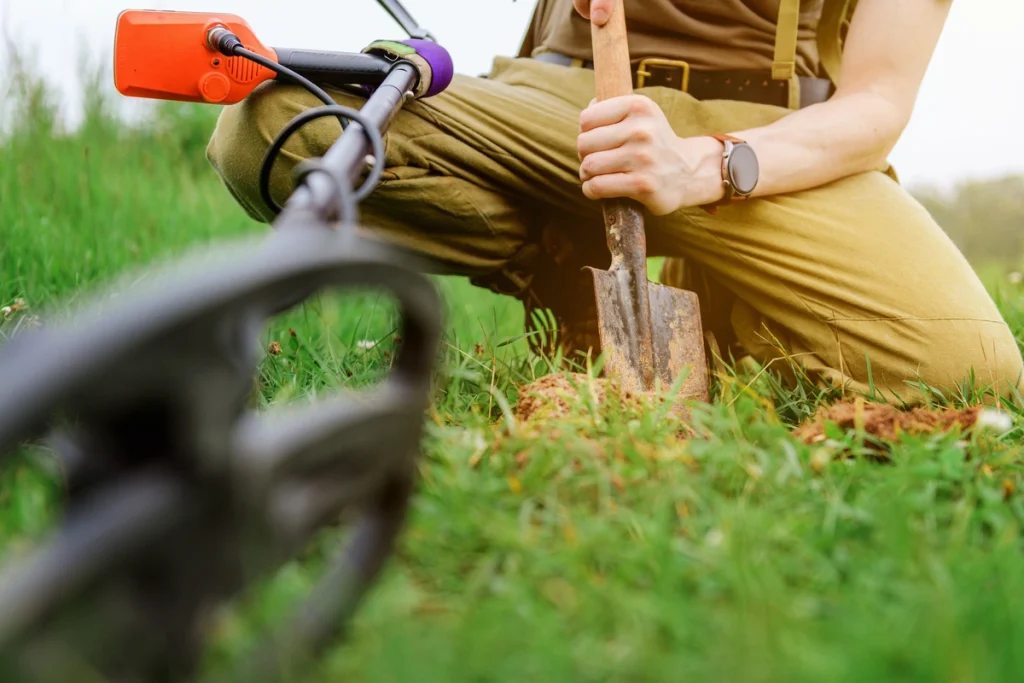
x=244, y=133
x=913, y=361
x=994, y=363
x=971, y=359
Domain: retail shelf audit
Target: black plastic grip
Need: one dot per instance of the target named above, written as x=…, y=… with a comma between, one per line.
x=336, y=68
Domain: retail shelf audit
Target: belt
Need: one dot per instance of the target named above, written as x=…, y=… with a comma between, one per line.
x=742, y=85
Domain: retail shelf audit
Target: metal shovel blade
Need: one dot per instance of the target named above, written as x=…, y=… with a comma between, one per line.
x=676, y=336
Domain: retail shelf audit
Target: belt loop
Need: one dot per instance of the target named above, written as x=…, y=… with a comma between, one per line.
x=795, y=99
x=788, y=26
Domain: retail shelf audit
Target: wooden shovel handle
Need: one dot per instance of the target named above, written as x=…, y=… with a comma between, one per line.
x=611, y=56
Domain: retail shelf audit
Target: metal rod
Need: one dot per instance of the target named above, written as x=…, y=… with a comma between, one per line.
x=404, y=19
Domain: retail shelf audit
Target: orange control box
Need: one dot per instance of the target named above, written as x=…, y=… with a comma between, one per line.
x=165, y=55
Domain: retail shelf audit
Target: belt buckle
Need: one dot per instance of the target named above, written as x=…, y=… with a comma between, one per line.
x=642, y=74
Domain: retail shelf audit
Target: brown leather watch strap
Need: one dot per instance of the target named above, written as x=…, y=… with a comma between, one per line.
x=722, y=137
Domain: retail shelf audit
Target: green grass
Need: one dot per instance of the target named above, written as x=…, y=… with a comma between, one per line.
x=596, y=548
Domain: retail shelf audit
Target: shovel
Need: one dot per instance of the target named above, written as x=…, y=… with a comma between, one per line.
x=650, y=334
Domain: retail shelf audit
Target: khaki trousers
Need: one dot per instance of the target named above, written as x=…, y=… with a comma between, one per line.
x=853, y=283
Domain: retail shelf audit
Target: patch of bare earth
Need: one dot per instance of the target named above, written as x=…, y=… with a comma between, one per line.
x=560, y=406
x=559, y=396
x=885, y=422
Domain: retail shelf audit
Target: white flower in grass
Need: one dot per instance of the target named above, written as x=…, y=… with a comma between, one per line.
x=366, y=344
x=995, y=420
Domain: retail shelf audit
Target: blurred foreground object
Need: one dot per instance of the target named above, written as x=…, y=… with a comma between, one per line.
x=178, y=497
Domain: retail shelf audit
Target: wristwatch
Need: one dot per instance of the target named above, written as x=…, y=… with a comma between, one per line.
x=740, y=171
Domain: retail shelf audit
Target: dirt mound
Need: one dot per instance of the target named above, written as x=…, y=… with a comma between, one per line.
x=886, y=422
x=557, y=395
x=554, y=396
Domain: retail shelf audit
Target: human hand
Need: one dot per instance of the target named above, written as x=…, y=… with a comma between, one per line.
x=627, y=149
x=597, y=11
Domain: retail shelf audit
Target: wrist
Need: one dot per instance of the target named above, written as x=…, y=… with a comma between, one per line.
x=701, y=179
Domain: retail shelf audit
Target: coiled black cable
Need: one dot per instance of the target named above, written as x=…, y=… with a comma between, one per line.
x=281, y=70
x=348, y=198
x=376, y=142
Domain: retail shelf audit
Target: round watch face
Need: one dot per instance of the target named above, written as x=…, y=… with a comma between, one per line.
x=743, y=169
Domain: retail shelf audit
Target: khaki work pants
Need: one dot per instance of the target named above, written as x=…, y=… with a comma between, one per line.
x=854, y=282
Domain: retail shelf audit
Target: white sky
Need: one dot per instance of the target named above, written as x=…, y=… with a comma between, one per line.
x=966, y=124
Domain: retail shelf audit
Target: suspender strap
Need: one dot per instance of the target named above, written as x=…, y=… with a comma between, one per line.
x=835, y=15
x=784, y=66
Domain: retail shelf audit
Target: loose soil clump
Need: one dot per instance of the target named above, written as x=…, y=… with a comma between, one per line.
x=549, y=397
x=885, y=422
x=559, y=396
